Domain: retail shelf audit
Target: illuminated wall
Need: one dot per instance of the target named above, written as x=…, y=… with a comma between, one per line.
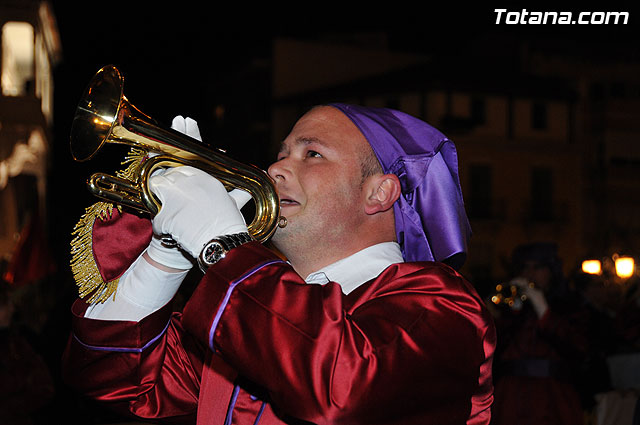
x=29, y=48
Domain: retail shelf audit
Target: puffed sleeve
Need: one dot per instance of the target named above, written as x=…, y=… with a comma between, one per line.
x=414, y=346
x=150, y=368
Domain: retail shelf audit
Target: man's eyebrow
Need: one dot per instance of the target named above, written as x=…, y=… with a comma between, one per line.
x=308, y=140
x=302, y=140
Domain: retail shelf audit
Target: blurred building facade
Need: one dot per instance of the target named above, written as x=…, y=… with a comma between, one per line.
x=607, y=84
x=29, y=50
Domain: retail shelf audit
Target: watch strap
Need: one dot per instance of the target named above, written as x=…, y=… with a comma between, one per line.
x=234, y=240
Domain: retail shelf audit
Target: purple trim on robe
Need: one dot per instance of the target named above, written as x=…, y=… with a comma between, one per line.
x=232, y=405
x=227, y=296
x=123, y=349
x=264, y=404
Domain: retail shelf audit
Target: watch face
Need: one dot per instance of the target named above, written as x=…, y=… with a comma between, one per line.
x=214, y=253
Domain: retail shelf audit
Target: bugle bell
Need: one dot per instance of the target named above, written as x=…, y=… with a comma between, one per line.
x=511, y=294
x=104, y=115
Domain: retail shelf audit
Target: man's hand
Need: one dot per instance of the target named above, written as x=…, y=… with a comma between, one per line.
x=186, y=126
x=158, y=255
x=534, y=295
x=195, y=208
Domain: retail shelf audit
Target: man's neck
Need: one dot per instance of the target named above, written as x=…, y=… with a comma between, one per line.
x=364, y=265
x=305, y=264
x=308, y=255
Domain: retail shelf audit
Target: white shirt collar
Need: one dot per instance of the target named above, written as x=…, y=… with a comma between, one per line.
x=364, y=265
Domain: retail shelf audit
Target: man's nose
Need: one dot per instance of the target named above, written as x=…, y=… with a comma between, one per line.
x=279, y=170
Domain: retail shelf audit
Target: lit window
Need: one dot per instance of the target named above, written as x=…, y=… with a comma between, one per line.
x=17, y=58
x=625, y=267
x=592, y=266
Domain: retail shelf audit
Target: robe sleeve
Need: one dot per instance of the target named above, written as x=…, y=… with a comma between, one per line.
x=150, y=369
x=420, y=342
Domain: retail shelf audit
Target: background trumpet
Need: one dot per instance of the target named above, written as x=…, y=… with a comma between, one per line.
x=511, y=293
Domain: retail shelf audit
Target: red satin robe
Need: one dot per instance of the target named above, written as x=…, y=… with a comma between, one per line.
x=255, y=344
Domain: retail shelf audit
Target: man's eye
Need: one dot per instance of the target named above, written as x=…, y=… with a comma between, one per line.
x=313, y=154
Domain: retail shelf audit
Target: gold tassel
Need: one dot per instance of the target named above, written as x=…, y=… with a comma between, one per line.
x=83, y=265
x=135, y=159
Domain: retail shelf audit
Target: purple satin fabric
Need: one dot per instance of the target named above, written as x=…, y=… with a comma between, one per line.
x=431, y=222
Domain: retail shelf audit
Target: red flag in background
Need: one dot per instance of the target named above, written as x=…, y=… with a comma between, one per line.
x=31, y=260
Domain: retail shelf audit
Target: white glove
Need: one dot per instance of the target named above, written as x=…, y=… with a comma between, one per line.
x=534, y=295
x=196, y=207
x=186, y=126
x=174, y=257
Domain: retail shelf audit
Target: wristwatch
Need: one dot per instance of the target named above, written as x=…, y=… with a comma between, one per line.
x=216, y=249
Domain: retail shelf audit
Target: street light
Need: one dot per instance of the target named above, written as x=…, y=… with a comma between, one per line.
x=622, y=266
x=625, y=266
x=592, y=266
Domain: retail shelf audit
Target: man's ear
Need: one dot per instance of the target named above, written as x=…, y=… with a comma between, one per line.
x=382, y=191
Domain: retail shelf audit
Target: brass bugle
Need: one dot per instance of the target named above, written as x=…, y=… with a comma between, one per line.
x=510, y=294
x=104, y=115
